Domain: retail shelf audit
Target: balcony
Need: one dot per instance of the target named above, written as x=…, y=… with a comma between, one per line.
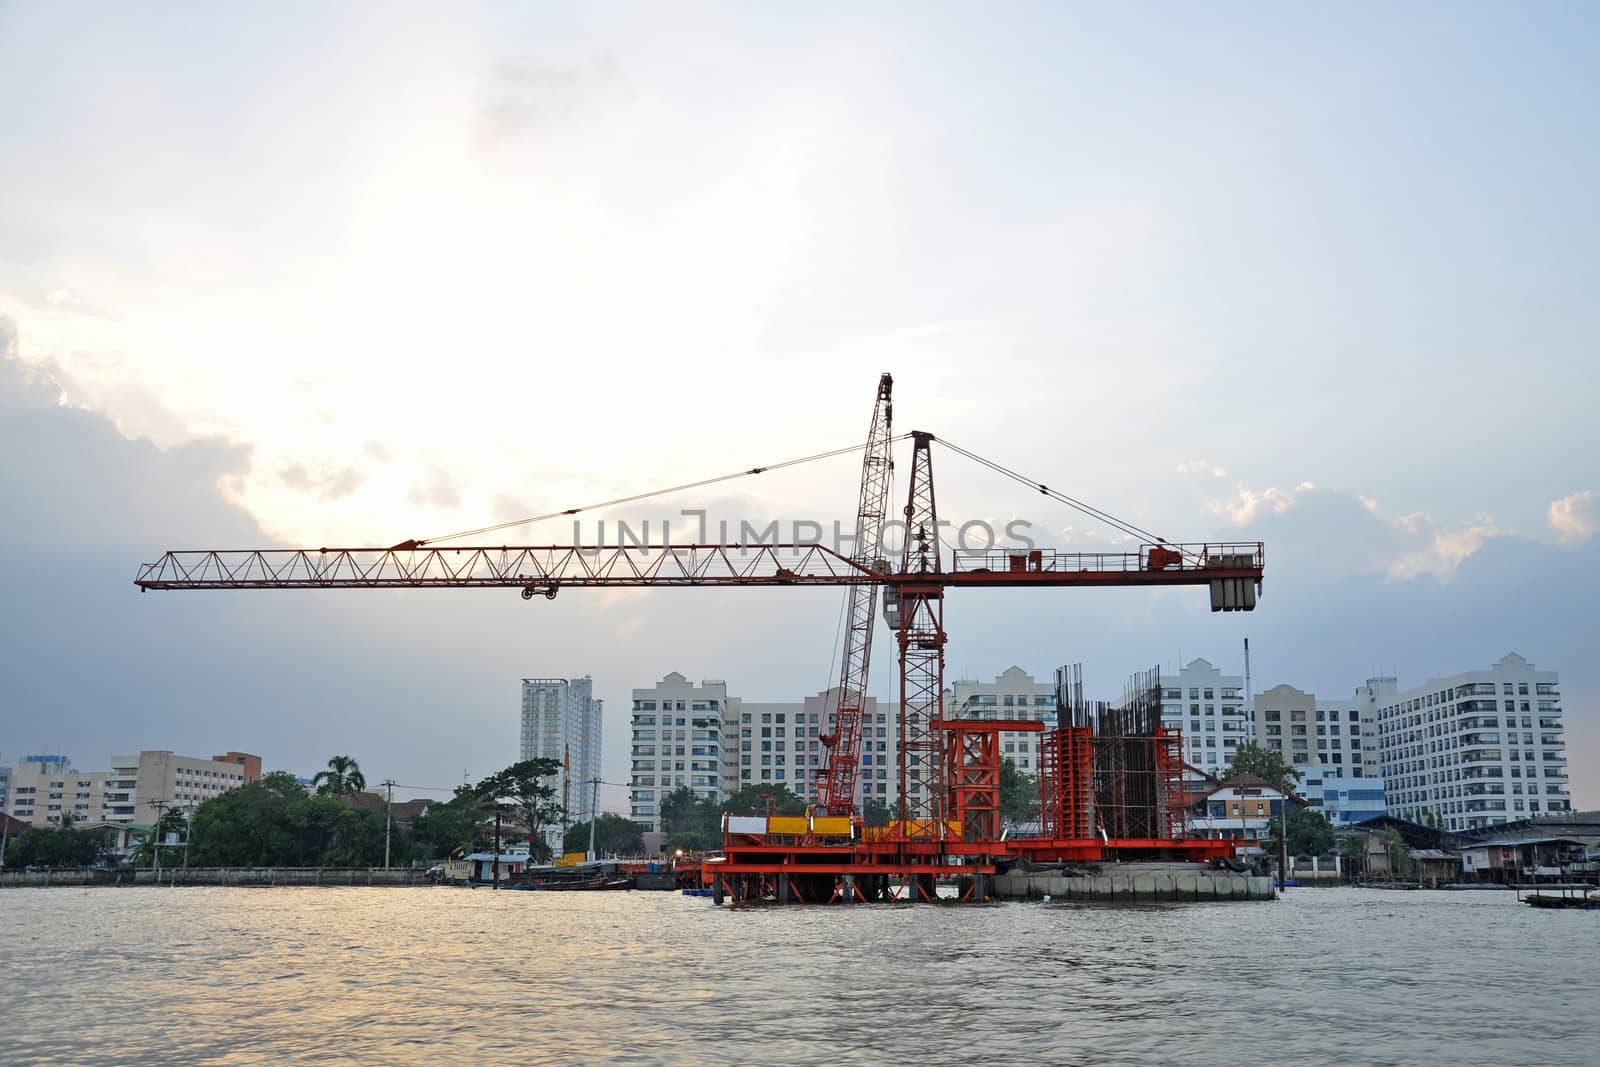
x=1482, y=755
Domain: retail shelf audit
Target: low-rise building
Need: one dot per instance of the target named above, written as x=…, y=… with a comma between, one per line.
x=1239, y=808
x=46, y=789
x=141, y=786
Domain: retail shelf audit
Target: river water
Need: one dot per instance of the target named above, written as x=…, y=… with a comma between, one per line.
x=445, y=976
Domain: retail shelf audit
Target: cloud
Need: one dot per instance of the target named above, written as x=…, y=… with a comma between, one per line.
x=1575, y=517
x=1250, y=504
x=531, y=95
x=63, y=299
x=436, y=489
x=1202, y=466
x=1349, y=533
x=327, y=486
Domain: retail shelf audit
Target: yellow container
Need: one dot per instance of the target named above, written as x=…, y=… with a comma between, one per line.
x=571, y=859
x=831, y=825
x=786, y=824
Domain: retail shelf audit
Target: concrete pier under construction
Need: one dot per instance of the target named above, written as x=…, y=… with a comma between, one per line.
x=1130, y=883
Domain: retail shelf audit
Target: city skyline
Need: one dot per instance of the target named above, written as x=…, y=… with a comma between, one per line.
x=483, y=279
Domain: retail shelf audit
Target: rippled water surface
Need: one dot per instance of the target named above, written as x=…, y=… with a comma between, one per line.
x=413, y=976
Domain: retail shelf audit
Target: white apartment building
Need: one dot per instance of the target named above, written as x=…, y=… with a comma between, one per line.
x=682, y=736
x=1209, y=707
x=562, y=720
x=779, y=744
x=1014, y=694
x=1477, y=748
x=5, y=790
x=135, y=790
x=1332, y=743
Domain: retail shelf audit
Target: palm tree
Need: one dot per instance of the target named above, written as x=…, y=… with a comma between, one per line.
x=342, y=777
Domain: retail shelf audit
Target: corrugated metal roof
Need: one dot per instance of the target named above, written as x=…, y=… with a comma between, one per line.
x=1512, y=842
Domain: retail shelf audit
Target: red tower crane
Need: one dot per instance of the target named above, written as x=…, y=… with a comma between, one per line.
x=948, y=767
x=836, y=780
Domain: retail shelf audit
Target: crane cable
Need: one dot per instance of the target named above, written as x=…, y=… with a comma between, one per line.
x=419, y=542
x=1072, y=502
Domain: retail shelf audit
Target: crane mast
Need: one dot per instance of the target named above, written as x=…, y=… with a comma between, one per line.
x=919, y=625
x=836, y=780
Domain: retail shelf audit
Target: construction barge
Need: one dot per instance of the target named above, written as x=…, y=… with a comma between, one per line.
x=1111, y=824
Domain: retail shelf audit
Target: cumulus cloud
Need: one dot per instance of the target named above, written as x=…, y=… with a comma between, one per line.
x=1202, y=466
x=1348, y=532
x=1249, y=504
x=1575, y=517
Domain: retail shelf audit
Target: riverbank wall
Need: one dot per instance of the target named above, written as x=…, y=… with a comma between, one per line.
x=1132, y=883
x=224, y=876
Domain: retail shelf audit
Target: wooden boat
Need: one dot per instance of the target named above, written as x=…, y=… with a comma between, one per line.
x=1580, y=897
x=583, y=884
x=1554, y=900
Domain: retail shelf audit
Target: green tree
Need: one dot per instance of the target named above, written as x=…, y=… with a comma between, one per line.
x=1400, y=861
x=613, y=836
x=172, y=821
x=1353, y=849
x=691, y=823
x=457, y=823
x=1310, y=832
x=1265, y=763
x=342, y=777
x=58, y=846
x=1019, y=793
x=752, y=800
x=875, y=812
x=522, y=788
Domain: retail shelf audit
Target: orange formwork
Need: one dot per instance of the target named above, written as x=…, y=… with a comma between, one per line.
x=774, y=860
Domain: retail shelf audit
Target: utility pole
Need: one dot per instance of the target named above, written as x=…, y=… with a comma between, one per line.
x=594, y=813
x=160, y=806
x=388, y=805
x=497, y=844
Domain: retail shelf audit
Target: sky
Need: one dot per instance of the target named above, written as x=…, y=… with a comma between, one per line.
x=317, y=275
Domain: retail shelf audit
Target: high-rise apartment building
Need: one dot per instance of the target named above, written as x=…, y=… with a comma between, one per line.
x=1209, y=707
x=1014, y=694
x=683, y=735
x=562, y=720
x=1477, y=748
x=780, y=744
x=735, y=743
x=1332, y=743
